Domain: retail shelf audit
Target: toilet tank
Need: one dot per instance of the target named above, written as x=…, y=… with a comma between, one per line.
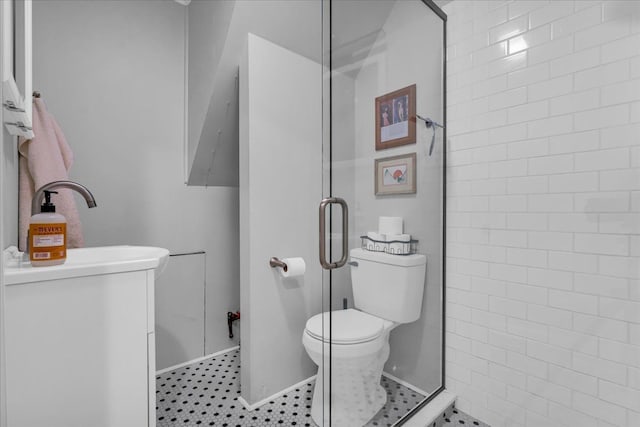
x=388, y=286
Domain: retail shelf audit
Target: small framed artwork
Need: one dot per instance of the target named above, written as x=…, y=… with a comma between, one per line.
x=396, y=118
x=395, y=175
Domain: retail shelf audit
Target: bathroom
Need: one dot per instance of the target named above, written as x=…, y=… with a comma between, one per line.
x=535, y=321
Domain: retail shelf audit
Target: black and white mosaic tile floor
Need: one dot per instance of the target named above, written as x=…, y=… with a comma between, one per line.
x=206, y=394
x=455, y=417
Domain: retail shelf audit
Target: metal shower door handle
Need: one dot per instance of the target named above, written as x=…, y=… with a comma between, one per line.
x=345, y=233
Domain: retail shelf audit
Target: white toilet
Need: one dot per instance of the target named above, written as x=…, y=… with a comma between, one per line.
x=387, y=291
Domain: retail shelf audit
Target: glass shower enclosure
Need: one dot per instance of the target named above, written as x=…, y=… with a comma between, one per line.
x=384, y=153
x=340, y=105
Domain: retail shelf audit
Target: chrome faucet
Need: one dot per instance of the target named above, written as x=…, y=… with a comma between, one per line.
x=39, y=194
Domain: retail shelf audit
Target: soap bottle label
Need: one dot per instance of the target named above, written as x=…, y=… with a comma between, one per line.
x=48, y=241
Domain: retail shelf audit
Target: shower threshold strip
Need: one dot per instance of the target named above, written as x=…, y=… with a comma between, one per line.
x=206, y=392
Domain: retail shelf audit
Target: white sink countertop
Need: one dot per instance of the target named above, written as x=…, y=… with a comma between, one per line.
x=85, y=262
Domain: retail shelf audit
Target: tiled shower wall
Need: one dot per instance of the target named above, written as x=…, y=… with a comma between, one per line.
x=543, y=251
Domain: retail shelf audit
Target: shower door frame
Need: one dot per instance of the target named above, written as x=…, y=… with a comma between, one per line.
x=328, y=140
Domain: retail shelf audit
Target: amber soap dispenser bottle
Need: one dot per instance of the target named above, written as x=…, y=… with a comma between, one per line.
x=47, y=235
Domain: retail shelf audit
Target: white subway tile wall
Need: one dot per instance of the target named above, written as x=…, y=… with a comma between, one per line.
x=543, y=250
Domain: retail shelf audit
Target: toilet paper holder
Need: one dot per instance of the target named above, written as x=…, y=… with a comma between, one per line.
x=275, y=262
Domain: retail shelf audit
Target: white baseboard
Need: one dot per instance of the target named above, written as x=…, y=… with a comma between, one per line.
x=406, y=384
x=199, y=359
x=274, y=396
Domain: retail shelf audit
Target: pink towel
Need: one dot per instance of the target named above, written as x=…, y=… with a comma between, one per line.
x=45, y=158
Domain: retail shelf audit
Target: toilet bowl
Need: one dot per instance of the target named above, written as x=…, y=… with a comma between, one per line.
x=358, y=350
x=387, y=291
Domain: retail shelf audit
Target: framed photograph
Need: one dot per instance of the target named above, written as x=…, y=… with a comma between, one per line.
x=395, y=175
x=396, y=118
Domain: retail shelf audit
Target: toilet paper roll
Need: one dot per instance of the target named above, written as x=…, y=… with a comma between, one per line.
x=390, y=225
x=295, y=267
x=397, y=245
x=378, y=245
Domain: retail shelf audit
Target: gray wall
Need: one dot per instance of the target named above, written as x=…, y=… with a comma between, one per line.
x=343, y=175
x=180, y=312
x=397, y=59
x=213, y=135
x=112, y=73
x=280, y=188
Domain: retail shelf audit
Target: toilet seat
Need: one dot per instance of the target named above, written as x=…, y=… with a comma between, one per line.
x=348, y=326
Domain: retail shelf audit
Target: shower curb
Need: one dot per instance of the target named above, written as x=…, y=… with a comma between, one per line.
x=432, y=414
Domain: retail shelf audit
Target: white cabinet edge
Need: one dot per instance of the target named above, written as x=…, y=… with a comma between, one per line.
x=86, y=262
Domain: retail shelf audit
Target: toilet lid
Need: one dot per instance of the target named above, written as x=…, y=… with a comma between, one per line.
x=348, y=326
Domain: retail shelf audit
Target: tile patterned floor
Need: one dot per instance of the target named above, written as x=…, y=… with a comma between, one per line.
x=455, y=417
x=400, y=400
x=206, y=394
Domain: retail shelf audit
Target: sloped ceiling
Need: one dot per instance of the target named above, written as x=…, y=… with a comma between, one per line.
x=217, y=33
x=216, y=38
x=355, y=26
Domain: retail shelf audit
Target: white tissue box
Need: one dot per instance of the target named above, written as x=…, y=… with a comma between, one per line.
x=390, y=225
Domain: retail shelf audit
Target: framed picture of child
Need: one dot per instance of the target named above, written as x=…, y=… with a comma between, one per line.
x=396, y=118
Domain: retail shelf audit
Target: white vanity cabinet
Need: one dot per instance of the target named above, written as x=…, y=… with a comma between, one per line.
x=80, y=348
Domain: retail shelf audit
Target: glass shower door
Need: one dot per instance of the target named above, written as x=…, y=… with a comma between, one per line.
x=383, y=153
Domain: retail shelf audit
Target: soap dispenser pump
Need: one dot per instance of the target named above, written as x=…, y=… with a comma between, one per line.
x=47, y=235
